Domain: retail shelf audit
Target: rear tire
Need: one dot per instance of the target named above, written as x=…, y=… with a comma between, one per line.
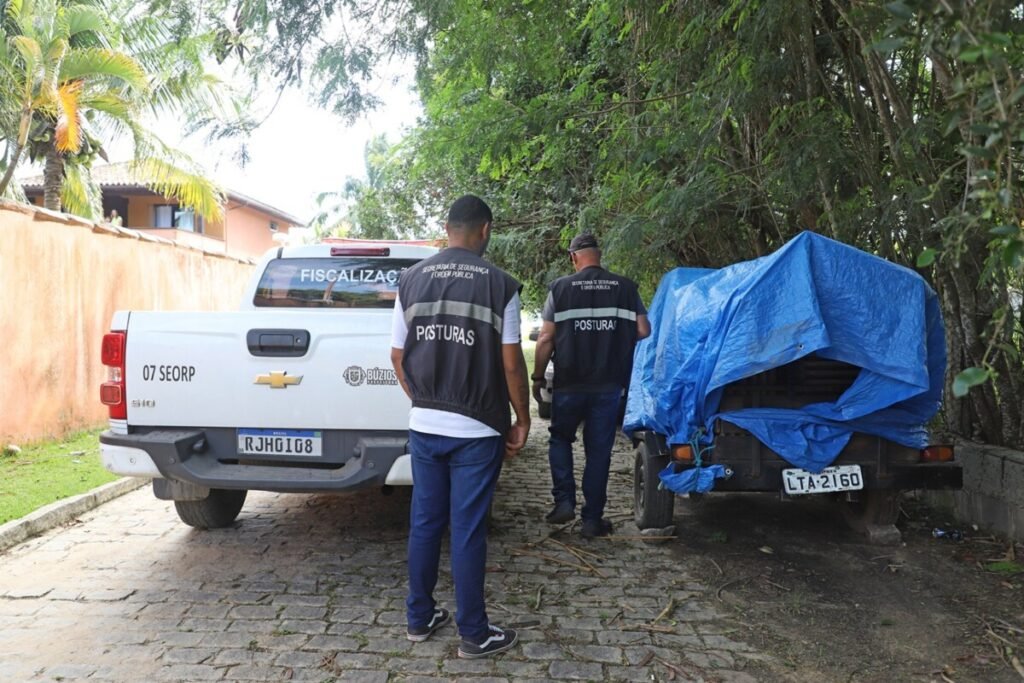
x=544, y=409
x=652, y=506
x=216, y=511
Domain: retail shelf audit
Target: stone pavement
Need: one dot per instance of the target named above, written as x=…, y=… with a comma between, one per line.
x=312, y=588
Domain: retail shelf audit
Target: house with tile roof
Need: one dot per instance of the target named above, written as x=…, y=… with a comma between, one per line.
x=247, y=229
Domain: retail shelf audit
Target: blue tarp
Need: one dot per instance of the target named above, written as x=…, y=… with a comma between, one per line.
x=710, y=328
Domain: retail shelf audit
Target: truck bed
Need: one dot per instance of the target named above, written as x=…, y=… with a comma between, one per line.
x=808, y=380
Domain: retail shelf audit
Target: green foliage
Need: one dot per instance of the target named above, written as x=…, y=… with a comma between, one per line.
x=700, y=133
x=971, y=377
x=703, y=133
x=381, y=207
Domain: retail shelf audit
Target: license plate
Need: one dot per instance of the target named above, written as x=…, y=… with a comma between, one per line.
x=279, y=442
x=839, y=478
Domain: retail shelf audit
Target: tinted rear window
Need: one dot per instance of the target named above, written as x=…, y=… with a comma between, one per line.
x=340, y=282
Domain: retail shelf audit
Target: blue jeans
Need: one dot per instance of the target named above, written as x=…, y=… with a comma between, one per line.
x=599, y=413
x=453, y=480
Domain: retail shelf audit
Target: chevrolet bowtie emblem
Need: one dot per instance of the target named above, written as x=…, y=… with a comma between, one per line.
x=278, y=379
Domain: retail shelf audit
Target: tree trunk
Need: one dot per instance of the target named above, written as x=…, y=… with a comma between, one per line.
x=19, y=147
x=968, y=310
x=11, y=168
x=53, y=179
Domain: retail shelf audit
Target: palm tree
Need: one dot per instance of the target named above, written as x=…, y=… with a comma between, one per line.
x=65, y=81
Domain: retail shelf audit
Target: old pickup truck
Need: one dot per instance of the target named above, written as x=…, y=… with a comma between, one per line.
x=293, y=393
x=814, y=370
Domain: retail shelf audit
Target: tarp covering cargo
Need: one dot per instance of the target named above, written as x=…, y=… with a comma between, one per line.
x=710, y=328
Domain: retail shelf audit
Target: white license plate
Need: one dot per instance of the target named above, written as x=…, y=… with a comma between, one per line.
x=839, y=478
x=280, y=442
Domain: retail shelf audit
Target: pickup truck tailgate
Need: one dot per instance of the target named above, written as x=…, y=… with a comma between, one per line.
x=282, y=369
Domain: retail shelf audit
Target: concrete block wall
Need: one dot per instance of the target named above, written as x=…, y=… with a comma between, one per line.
x=993, y=493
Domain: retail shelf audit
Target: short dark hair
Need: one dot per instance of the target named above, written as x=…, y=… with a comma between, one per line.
x=469, y=211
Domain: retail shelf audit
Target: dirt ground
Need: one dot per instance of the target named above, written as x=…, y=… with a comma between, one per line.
x=828, y=606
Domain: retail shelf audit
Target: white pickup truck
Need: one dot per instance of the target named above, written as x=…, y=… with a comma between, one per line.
x=293, y=393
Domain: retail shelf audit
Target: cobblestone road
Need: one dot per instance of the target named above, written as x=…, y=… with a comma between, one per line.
x=312, y=588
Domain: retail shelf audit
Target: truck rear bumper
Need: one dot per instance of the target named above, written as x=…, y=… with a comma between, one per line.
x=185, y=455
x=931, y=476
x=757, y=468
x=128, y=461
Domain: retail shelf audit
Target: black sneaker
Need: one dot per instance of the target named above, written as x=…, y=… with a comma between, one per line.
x=418, y=634
x=562, y=513
x=501, y=639
x=592, y=528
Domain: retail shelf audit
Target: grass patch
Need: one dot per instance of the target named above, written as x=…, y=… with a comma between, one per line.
x=48, y=471
x=1006, y=567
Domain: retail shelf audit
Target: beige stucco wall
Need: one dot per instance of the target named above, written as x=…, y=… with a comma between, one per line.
x=61, y=279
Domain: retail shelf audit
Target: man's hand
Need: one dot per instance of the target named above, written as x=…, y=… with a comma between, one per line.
x=516, y=438
x=538, y=384
x=396, y=362
x=518, y=395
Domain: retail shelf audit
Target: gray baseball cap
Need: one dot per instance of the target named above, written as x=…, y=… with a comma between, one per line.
x=583, y=241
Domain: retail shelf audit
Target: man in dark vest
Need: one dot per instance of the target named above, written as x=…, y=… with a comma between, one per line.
x=456, y=351
x=591, y=322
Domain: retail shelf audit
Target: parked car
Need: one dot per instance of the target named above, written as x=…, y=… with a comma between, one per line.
x=293, y=393
x=812, y=371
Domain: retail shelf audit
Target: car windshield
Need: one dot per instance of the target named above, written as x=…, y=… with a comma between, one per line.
x=338, y=282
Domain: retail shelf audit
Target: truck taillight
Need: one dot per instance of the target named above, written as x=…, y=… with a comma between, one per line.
x=112, y=353
x=937, y=454
x=112, y=393
x=682, y=453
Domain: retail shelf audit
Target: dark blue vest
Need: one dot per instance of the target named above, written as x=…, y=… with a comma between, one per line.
x=454, y=305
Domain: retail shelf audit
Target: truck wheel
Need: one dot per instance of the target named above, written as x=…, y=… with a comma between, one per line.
x=217, y=510
x=544, y=409
x=652, y=507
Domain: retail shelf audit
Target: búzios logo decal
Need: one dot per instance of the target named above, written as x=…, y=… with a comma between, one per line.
x=355, y=376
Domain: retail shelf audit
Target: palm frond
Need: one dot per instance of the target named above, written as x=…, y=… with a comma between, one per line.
x=80, y=194
x=30, y=51
x=55, y=53
x=82, y=18
x=14, y=11
x=190, y=188
x=108, y=103
x=69, y=118
x=92, y=62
